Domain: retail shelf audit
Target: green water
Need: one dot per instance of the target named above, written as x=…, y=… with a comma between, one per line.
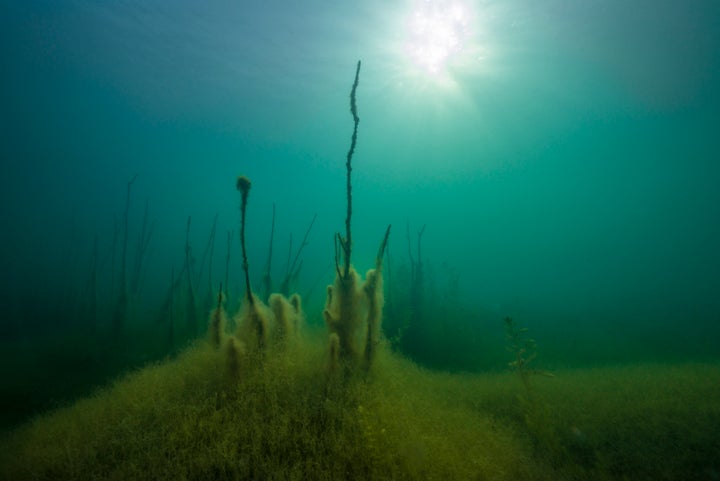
x=553, y=162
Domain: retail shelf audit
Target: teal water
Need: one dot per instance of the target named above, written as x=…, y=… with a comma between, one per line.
x=563, y=160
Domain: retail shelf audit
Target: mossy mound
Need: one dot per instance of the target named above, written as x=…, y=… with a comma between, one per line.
x=285, y=419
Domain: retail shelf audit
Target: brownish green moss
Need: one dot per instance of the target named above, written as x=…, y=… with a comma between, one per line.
x=187, y=419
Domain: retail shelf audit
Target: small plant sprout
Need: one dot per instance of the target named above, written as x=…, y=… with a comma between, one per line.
x=524, y=351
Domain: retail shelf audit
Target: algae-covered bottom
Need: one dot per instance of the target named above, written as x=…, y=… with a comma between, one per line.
x=285, y=418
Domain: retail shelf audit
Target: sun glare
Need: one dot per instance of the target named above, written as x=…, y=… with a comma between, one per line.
x=436, y=32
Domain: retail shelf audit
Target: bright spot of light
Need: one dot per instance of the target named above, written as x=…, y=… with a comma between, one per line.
x=436, y=32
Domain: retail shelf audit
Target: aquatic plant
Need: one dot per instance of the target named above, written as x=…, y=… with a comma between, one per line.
x=207, y=258
x=254, y=318
x=374, y=294
x=218, y=321
x=260, y=324
x=120, y=313
x=141, y=252
x=190, y=303
x=411, y=333
x=288, y=317
x=352, y=306
x=524, y=351
x=293, y=268
x=182, y=419
x=243, y=185
x=536, y=413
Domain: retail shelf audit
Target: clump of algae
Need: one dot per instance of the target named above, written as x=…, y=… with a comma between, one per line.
x=183, y=419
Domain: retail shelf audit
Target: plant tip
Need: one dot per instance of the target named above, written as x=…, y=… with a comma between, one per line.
x=243, y=184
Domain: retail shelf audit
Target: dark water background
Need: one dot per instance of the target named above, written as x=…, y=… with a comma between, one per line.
x=565, y=163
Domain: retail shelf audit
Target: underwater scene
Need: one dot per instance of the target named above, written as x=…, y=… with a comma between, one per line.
x=411, y=240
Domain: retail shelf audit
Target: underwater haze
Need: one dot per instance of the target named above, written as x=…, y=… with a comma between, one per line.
x=472, y=240
x=553, y=162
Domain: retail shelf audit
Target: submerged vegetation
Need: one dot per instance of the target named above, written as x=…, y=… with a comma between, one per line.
x=187, y=419
x=264, y=394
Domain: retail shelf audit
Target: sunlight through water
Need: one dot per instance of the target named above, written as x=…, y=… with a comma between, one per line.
x=436, y=32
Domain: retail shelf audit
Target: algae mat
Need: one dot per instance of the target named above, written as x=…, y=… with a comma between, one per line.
x=284, y=418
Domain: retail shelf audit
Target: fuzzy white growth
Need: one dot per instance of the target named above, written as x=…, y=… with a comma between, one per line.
x=374, y=294
x=284, y=314
x=354, y=308
x=234, y=352
x=296, y=303
x=218, y=321
x=345, y=312
x=254, y=323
